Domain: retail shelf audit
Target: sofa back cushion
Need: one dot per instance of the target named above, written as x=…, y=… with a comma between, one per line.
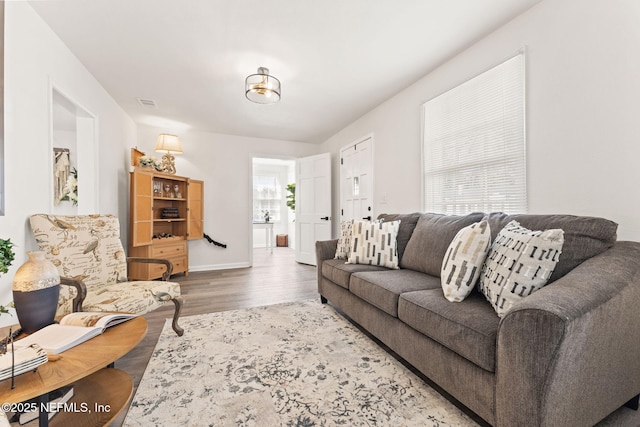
x=407, y=225
x=428, y=244
x=584, y=237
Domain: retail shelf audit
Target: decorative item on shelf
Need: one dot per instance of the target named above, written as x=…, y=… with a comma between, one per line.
x=162, y=236
x=167, y=190
x=262, y=88
x=36, y=287
x=150, y=162
x=167, y=213
x=267, y=217
x=168, y=144
x=176, y=191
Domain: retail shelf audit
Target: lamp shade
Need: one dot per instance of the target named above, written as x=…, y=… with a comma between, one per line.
x=262, y=88
x=168, y=143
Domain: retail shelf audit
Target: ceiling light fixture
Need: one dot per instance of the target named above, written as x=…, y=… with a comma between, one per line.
x=262, y=88
x=168, y=144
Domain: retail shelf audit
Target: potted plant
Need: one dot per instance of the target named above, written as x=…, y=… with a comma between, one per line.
x=6, y=258
x=291, y=197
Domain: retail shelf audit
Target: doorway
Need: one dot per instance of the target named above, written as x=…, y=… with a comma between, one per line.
x=273, y=221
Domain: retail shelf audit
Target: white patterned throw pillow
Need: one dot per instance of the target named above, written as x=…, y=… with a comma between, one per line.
x=374, y=243
x=519, y=263
x=463, y=260
x=344, y=241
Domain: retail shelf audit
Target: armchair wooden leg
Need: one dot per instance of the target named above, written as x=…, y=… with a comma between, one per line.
x=178, y=303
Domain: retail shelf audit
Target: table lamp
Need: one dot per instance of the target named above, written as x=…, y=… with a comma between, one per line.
x=168, y=144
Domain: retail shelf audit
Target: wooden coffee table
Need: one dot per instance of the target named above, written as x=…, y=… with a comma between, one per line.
x=100, y=391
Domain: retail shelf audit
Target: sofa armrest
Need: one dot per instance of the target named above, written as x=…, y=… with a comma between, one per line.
x=81, y=292
x=168, y=264
x=325, y=249
x=569, y=354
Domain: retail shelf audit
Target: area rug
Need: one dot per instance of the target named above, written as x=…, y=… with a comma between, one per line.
x=294, y=364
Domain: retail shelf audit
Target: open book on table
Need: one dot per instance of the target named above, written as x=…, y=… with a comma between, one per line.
x=73, y=329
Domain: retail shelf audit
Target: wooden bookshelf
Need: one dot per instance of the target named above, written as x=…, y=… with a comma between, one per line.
x=155, y=235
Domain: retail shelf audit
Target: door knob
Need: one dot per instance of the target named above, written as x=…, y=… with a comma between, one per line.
x=367, y=217
x=325, y=218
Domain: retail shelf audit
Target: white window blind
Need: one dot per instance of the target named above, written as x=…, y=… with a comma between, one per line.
x=474, y=144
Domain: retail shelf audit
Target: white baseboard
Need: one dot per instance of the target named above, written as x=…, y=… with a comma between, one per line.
x=219, y=266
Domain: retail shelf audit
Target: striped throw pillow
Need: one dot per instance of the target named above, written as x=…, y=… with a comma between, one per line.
x=374, y=243
x=519, y=263
x=463, y=260
x=344, y=241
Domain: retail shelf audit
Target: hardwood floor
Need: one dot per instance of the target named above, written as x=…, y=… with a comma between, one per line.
x=274, y=278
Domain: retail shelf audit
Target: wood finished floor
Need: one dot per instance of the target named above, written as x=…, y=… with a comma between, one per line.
x=274, y=278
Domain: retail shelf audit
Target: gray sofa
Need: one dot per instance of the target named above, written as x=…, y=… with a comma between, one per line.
x=567, y=355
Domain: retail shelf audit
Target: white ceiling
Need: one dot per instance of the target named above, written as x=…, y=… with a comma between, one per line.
x=336, y=59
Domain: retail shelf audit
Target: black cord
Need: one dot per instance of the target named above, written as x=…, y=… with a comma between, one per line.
x=213, y=242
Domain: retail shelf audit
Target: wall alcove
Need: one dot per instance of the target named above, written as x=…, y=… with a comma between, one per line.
x=74, y=145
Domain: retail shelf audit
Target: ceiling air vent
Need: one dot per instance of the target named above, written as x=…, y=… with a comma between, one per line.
x=147, y=103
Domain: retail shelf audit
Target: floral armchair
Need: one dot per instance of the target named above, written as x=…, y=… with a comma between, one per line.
x=90, y=257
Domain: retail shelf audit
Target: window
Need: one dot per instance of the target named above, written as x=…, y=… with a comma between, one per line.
x=474, y=144
x=267, y=197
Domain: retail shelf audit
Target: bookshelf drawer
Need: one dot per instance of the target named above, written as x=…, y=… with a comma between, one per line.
x=169, y=250
x=179, y=266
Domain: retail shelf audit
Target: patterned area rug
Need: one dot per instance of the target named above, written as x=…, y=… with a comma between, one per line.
x=295, y=364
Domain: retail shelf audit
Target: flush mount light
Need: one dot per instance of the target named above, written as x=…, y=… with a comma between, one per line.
x=262, y=88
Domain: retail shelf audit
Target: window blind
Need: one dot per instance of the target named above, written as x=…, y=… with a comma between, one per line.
x=474, y=144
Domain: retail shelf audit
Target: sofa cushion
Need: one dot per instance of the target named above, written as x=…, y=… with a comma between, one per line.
x=584, y=237
x=407, y=225
x=374, y=243
x=430, y=239
x=469, y=328
x=463, y=260
x=340, y=273
x=519, y=263
x=383, y=288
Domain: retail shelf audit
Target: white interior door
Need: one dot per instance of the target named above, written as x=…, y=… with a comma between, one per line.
x=356, y=178
x=313, y=205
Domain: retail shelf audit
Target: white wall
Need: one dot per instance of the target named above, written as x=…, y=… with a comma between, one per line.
x=582, y=113
x=35, y=58
x=224, y=163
